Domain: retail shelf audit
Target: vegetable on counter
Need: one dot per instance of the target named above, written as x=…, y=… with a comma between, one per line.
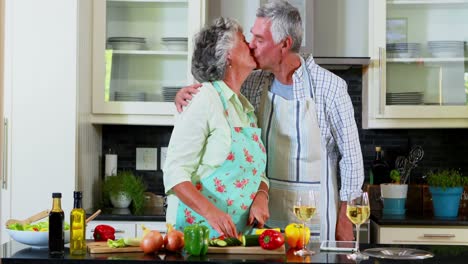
x=250, y=240
x=293, y=233
x=271, y=239
x=174, y=239
x=38, y=227
x=261, y=230
x=197, y=239
x=103, y=233
x=152, y=241
x=119, y=243
x=132, y=241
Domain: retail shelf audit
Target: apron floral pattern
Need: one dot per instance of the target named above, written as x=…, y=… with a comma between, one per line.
x=232, y=186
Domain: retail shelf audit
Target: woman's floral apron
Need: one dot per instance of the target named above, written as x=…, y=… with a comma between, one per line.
x=232, y=186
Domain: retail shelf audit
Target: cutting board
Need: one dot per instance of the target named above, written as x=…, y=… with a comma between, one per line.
x=102, y=247
x=246, y=250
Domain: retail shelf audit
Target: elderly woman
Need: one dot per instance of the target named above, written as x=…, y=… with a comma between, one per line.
x=215, y=165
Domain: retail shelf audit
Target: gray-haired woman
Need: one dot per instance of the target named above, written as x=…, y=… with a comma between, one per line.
x=215, y=165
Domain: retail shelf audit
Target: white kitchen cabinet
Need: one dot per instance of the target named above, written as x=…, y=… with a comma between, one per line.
x=418, y=75
x=40, y=87
x=134, y=79
x=126, y=228
x=337, y=28
x=424, y=235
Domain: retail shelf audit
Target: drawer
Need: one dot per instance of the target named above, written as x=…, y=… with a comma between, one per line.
x=121, y=229
x=160, y=226
x=429, y=235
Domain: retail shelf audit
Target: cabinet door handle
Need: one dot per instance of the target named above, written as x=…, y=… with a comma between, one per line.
x=439, y=235
x=117, y=231
x=5, y=155
x=382, y=79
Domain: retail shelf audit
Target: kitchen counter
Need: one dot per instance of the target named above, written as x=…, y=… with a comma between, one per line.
x=417, y=219
x=157, y=214
x=16, y=253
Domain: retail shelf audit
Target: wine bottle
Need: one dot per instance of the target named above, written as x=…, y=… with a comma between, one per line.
x=77, y=226
x=380, y=168
x=56, y=234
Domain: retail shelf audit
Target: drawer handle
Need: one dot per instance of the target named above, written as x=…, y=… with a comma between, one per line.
x=5, y=155
x=439, y=235
x=116, y=231
x=382, y=79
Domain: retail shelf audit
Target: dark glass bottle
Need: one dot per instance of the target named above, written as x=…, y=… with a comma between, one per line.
x=380, y=168
x=77, y=226
x=56, y=234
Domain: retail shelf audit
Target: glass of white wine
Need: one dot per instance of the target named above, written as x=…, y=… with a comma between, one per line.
x=305, y=209
x=358, y=211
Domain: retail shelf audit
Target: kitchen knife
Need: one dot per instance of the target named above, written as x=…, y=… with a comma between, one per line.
x=248, y=229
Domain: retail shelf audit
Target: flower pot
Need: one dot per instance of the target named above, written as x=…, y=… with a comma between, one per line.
x=120, y=200
x=446, y=202
x=394, y=198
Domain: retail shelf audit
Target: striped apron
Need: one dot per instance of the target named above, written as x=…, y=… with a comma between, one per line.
x=298, y=160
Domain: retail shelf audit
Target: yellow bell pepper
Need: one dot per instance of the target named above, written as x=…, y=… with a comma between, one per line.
x=261, y=230
x=294, y=233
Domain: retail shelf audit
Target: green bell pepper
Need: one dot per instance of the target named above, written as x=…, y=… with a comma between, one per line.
x=196, y=238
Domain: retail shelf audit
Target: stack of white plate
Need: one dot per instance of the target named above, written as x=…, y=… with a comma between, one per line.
x=126, y=43
x=154, y=97
x=129, y=96
x=446, y=49
x=407, y=98
x=169, y=93
x=175, y=43
x=403, y=50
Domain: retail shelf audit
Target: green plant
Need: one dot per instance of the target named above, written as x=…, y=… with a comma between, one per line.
x=127, y=182
x=395, y=176
x=446, y=178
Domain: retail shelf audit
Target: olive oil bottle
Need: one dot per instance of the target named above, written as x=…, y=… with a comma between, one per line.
x=56, y=235
x=77, y=226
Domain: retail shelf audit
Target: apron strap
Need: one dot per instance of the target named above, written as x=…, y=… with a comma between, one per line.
x=250, y=115
x=263, y=98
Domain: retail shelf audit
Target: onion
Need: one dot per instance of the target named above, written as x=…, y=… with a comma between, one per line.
x=174, y=239
x=152, y=242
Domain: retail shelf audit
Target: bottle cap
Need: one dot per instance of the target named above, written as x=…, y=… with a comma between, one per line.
x=56, y=195
x=77, y=194
x=378, y=149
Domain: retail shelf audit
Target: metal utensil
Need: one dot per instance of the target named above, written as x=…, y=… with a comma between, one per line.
x=405, y=165
x=28, y=220
x=248, y=229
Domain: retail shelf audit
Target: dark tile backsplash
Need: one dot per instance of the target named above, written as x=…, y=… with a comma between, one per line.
x=443, y=148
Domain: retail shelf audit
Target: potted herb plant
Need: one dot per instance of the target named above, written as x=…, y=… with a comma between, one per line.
x=394, y=194
x=446, y=187
x=124, y=189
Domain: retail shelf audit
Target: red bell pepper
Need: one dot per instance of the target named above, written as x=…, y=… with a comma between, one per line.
x=271, y=239
x=103, y=233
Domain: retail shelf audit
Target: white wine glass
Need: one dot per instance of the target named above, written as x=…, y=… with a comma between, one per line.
x=304, y=210
x=358, y=211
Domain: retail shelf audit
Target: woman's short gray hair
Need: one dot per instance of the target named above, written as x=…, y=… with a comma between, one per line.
x=212, y=44
x=285, y=21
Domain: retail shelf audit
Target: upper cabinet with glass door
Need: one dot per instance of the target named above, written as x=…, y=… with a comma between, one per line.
x=141, y=57
x=418, y=76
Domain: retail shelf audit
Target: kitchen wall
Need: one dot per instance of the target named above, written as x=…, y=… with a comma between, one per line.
x=444, y=148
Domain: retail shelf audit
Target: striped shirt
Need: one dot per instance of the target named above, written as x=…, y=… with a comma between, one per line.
x=335, y=116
